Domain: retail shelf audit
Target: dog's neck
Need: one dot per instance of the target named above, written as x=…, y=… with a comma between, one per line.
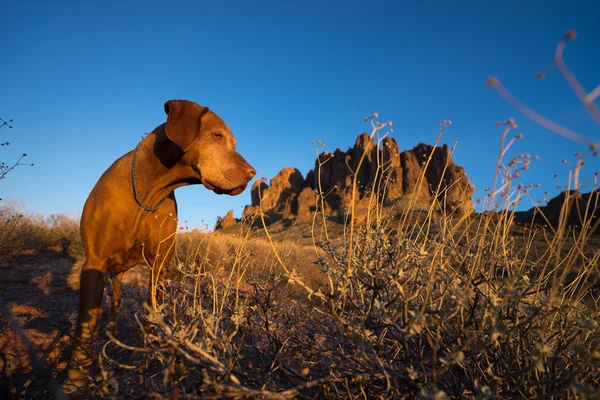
x=159, y=168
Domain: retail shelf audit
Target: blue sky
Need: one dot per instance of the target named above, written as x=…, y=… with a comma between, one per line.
x=83, y=80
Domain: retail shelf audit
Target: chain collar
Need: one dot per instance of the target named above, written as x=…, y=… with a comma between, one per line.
x=135, y=191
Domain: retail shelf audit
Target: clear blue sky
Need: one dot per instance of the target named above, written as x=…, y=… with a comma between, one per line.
x=83, y=80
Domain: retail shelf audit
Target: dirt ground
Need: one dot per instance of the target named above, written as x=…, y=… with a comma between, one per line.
x=41, y=291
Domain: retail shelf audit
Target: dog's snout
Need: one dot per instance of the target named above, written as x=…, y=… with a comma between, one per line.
x=250, y=171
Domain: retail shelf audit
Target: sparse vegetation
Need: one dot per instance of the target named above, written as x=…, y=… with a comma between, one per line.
x=29, y=232
x=400, y=306
x=479, y=308
x=5, y=168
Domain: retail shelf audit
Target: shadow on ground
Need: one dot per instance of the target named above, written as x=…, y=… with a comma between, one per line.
x=41, y=291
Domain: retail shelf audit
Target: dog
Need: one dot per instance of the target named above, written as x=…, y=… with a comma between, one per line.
x=130, y=215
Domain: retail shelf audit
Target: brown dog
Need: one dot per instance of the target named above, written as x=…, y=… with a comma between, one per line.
x=130, y=216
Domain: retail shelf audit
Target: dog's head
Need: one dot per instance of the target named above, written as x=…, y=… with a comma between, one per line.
x=208, y=146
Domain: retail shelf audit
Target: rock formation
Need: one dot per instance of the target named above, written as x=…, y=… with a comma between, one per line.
x=582, y=207
x=423, y=175
x=226, y=221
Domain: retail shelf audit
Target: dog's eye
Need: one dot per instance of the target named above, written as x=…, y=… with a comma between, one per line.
x=218, y=135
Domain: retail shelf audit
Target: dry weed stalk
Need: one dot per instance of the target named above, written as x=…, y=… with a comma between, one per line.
x=587, y=99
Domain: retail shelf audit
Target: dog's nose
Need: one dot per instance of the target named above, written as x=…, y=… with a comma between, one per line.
x=250, y=171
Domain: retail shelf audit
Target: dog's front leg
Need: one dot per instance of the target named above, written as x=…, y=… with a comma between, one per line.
x=90, y=298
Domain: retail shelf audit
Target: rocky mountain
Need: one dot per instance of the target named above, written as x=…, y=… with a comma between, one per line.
x=422, y=176
x=582, y=207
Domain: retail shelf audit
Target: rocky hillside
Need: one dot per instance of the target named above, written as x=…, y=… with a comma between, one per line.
x=396, y=177
x=582, y=207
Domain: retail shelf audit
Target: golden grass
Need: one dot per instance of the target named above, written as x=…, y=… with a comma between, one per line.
x=400, y=306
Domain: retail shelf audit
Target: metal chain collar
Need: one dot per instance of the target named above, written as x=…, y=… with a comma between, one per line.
x=135, y=191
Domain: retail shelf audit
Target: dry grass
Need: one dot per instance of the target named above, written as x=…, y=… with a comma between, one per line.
x=22, y=232
x=463, y=307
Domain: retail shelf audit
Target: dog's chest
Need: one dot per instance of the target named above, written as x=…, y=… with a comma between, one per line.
x=157, y=228
x=151, y=239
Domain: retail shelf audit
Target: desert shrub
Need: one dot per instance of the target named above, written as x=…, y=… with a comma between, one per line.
x=476, y=309
x=431, y=306
x=20, y=231
x=63, y=232
x=23, y=231
x=466, y=317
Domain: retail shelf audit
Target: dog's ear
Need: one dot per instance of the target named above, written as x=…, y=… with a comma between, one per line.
x=183, y=122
